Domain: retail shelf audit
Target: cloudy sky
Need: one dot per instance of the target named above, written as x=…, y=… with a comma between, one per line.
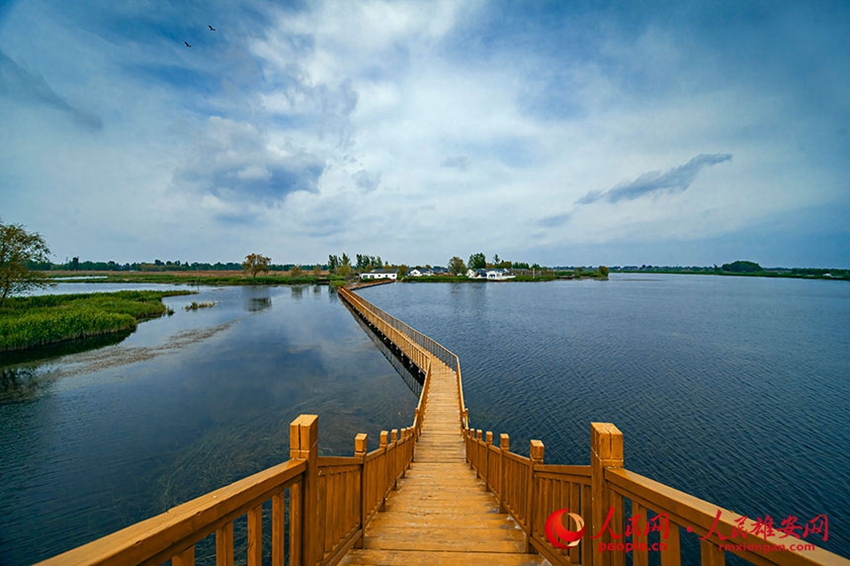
x=562, y=133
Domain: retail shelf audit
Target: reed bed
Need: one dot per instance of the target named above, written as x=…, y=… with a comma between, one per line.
x=30, y=322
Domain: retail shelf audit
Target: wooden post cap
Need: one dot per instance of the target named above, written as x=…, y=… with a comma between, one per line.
x=385, y=438
x=303, y=433
x=504, y=441
x=360, y=443
x=489, y=437
x=606, y=443
x=394, y=435
x=536, y=450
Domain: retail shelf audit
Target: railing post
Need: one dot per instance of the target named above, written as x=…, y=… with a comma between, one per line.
x=360, y=449
x=606, y=451
x=477, y=437
x=535, y=454
x=395, y=443
x=304, y=445
x=489, y=443
x=504, y=447
x=384, y=474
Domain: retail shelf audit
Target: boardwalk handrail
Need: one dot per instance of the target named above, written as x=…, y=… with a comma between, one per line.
x=530, y=491
x=389, y=325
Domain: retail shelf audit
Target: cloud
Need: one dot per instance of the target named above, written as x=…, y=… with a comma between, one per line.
x=367, y=181
x=554, y=221
x=675, y=180
x=459, y=162
x=236, y=163
x=18, y=83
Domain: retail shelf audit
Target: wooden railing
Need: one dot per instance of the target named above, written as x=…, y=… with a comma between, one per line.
x=651, y=521
x=324, y=502
x=412, y=343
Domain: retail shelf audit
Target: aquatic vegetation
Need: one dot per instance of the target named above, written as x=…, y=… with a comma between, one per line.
x=196, y=305
x=29, y=322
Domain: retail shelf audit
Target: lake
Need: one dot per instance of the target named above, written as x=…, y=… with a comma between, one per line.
x=732, y=389
x=735, y=390
x=98, y=440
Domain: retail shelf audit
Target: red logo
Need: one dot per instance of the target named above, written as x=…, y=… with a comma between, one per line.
x=558, y=534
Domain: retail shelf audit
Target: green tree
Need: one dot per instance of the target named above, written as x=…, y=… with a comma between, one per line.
x=456, y=266
x=333, y=263
x=603, y=270
x=296, y=271
x=477, y=261
x=402, y=270
x=742, y=267
x=17, y=248
x=256, y=263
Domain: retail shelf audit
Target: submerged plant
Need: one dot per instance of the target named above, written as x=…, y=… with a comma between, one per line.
x=196, y=305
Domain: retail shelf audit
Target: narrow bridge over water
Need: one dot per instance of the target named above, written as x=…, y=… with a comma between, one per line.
x=439, y=492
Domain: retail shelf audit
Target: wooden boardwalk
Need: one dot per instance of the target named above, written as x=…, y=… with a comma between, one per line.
x=441, y=512
x=451, y=482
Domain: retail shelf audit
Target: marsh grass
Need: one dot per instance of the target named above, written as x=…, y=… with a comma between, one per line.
x=31, y=322
x=195, y=305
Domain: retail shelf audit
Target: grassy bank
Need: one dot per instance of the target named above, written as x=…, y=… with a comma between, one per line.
x=30, y=322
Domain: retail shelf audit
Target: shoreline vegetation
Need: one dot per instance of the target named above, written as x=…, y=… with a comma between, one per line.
x=27, y=323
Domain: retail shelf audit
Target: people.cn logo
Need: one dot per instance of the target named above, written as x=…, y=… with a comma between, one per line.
x=558, y=534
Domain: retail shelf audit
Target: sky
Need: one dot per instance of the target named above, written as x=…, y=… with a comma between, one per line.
x=561, y=133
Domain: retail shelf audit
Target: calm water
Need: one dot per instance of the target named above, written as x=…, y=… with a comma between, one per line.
x=732, y=389
x=736, y=390
x=94, y=441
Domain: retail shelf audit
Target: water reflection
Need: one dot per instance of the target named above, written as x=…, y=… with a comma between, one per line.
x=52, y=351
x=95, y=441
x=408, y=372
x=256, y=299
x=20, y=384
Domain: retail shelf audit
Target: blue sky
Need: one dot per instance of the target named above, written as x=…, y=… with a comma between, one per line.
x=687, y=133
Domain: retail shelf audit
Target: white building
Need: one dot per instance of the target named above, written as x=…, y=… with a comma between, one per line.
x=379, y=274
x=490, y=274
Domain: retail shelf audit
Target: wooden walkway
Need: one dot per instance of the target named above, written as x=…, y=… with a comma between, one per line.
x=451, y=482
x=441, y=512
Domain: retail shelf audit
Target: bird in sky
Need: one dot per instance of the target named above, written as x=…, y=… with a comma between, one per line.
x=211, y=28
x=187, y=44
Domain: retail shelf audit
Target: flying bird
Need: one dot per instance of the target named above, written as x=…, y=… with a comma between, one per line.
x=211, y=28
x=187, y=44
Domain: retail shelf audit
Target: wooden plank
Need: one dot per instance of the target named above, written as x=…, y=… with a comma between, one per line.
x=671, y=554
x=429, y=558
x=185, y=558
x=255, y=536
x=278, y=528
x=711, y=555
x=224, y=545
x=640, y=556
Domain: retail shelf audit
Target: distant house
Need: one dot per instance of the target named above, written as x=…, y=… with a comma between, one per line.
x=420, y=272
x=380, y=274
x=436, y=270
x=490, y=274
